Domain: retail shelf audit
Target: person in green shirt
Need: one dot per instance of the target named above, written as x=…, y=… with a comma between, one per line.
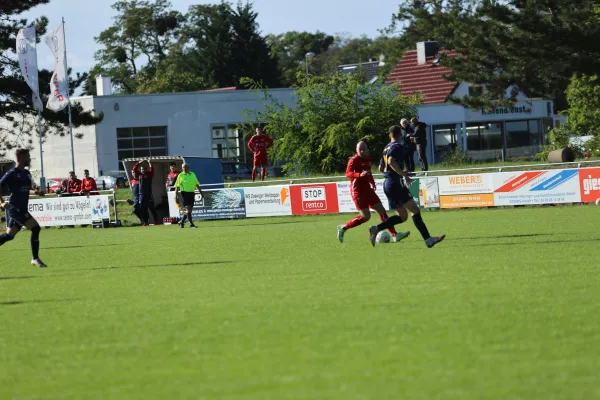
x=186, y=183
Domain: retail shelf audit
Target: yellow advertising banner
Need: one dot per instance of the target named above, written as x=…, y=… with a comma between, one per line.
x=467, y=200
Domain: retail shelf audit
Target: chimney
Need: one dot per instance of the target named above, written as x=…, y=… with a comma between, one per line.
x=103, y=85
x=426, y=49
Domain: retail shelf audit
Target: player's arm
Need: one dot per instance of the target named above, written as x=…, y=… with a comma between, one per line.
x=396, y=167
x=3, y=182
x=354, y=169
x=150, y=169
x=251, y=144
x=198, y=185
x=94, y=185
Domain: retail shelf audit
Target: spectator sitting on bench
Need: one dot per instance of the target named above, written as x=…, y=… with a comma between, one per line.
x=88, y=184
x=74, y=184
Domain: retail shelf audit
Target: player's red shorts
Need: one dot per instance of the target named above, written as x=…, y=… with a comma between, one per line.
x=365, y=199
x=260, y=160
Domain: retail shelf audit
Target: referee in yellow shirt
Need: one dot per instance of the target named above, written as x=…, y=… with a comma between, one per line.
x=187, y=182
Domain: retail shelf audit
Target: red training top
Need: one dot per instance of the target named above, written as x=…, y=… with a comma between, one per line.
x=356, y=165
x=74, y=186
x=88, y=185
x=258, y=144
x=172, y=178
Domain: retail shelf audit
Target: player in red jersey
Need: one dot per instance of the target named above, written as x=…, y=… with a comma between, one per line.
x=258, y=144
x=362, y=189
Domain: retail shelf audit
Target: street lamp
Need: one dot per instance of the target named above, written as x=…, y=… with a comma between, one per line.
x=307, y=56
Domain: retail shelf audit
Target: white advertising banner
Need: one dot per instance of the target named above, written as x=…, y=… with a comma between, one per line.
x=58, y=84
x=429, y=193
x=26, y=50
x=77, y=210
x=267, y=201
x=345, y=198
x=465, y=184
x=536, y=187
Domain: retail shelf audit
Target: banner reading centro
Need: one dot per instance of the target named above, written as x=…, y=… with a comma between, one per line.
x=319, y=198
x=64, y=211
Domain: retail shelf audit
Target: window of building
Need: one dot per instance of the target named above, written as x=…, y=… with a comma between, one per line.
x=227, y=142
x=444, y=140
x=475, y=90
x=523, y=138
x=484, y=136
x=141, y=142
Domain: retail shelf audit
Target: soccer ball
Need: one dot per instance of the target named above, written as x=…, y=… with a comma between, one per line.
x=383, y=237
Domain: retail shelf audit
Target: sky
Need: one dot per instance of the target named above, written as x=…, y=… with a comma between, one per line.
x=85, y=19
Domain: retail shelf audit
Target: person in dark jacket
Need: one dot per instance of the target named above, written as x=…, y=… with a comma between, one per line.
x=408, y=142
x=145, y=203
x=421, y=142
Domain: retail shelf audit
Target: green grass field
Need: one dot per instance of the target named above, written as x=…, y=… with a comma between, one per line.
x=506, y=308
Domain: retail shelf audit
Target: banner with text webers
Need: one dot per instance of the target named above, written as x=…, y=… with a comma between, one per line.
x=465, y=191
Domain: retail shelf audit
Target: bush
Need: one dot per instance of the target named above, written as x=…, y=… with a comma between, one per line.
x=559, y=139
x=455, y=157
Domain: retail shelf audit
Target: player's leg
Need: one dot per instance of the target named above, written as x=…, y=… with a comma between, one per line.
x=364, y=216
x=388, y=223
x=255, y=166
x=11, y=232
x=35, y=229
x=430, y=241
x=190, y=207
x=263, y=170
x=392, y=191
x=144, y=209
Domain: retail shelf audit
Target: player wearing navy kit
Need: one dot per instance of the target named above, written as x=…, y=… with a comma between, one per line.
x=18, y=181
x=397, y=193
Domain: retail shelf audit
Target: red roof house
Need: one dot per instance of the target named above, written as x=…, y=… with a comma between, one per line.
x=419, y=71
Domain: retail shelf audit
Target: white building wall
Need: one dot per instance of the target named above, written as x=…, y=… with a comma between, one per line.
x=188, y=117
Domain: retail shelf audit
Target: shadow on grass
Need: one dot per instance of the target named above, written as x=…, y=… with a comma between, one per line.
x=7, y=278
x=183, y=264
x=515, y=236
x=85, y=246
x=533, y=243
x=17, y=302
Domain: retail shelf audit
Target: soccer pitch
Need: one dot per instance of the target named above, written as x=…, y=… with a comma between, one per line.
x=507, y=307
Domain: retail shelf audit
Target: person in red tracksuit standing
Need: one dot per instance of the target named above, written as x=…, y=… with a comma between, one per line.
x=74, y=184
x=362, y=190
x=258, y=144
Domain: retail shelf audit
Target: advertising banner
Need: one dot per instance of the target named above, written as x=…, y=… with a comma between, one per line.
x=589, y=184
x=539, y=187
x=415, y=189
x=64, y=211
x=267, y=201
x=465, y=184
x=429, y=193
x=216, y=204
x=345, y=202
x=467, y=200
x=318, y=198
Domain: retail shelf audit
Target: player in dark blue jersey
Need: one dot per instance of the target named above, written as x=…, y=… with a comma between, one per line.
x=18, y=181
x=399, y=197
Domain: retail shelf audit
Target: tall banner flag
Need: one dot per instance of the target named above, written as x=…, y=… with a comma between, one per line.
x=28, y=62
x=59, y=86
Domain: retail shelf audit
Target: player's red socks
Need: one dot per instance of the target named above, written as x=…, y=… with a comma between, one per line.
x=382, y=218
x=354, y=222
x=253, y=174
x=262, y=174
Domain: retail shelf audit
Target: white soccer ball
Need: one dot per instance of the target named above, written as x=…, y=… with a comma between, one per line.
x=598, y=202
x=383, y=237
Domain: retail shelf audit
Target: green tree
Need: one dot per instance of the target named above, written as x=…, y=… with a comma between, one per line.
x=583, y=95
x=143, y=30
x=332, y=114
x=227, y=45
x=290, y=51
x=534, y=46
x=16, y=112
